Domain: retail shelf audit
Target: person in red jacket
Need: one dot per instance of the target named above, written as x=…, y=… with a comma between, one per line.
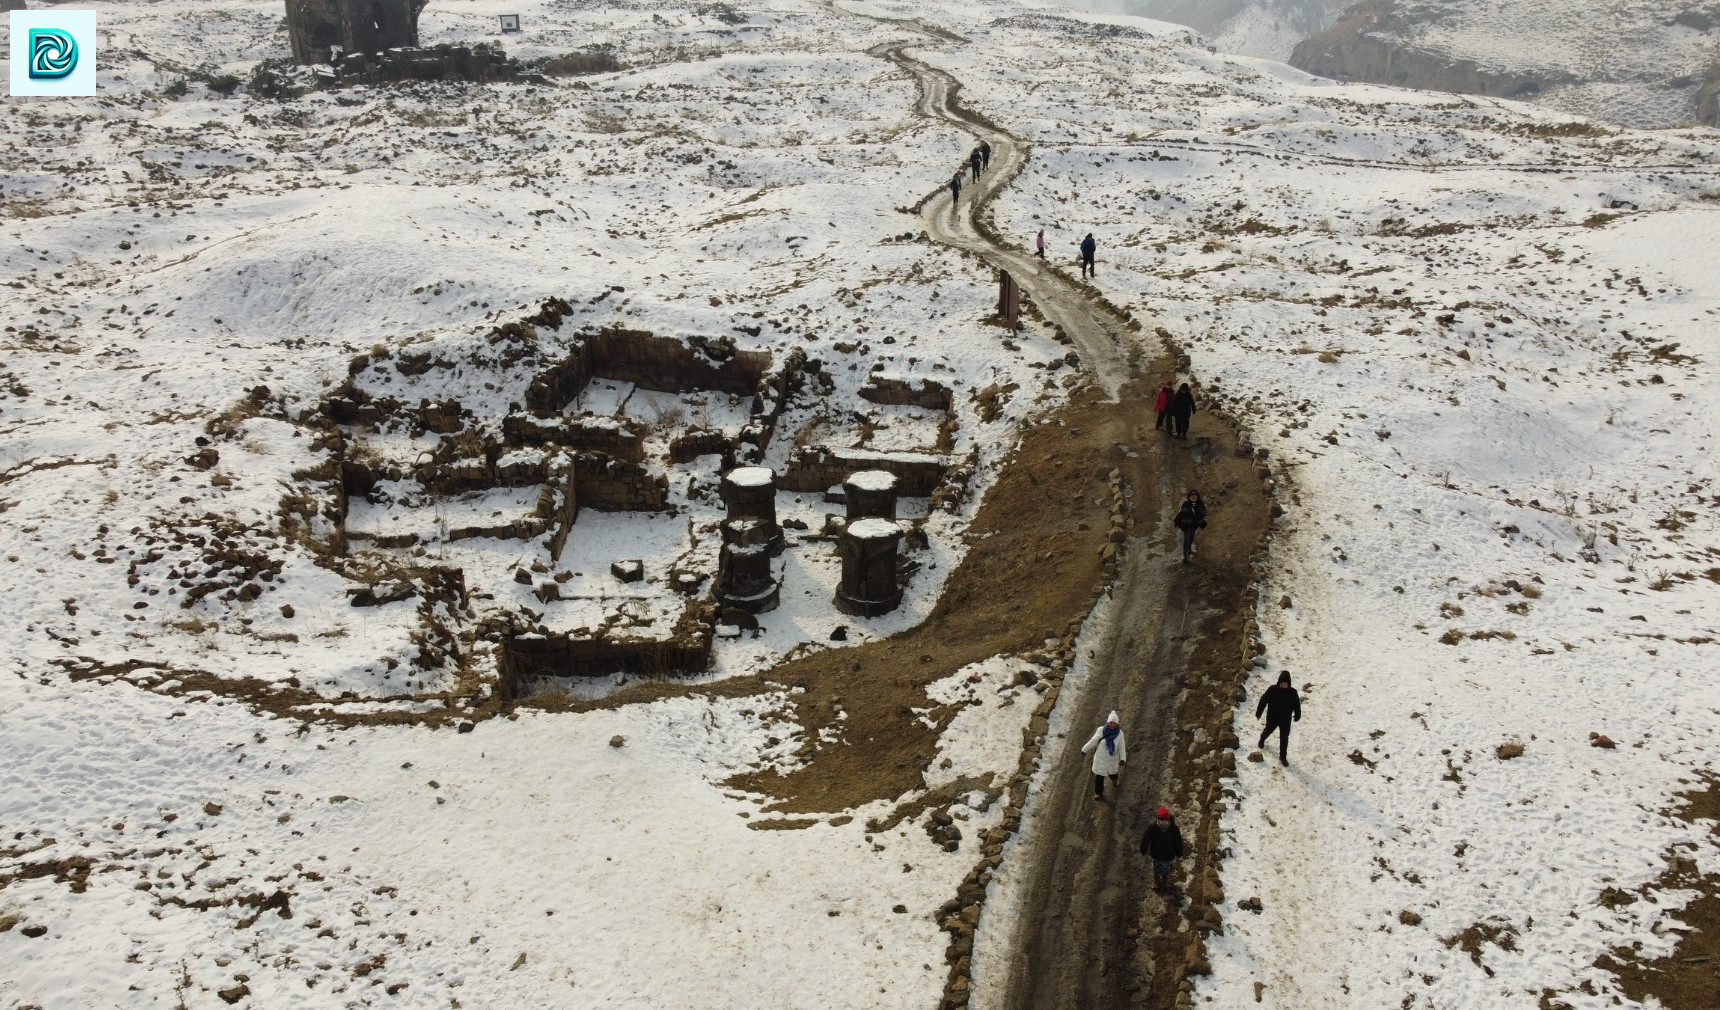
x=1163, y=844
x=1162, y=404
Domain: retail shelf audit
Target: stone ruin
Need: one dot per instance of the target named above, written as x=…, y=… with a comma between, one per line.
x=751, y=538
x=371, y=41
x=317, y=28
x=528, y=474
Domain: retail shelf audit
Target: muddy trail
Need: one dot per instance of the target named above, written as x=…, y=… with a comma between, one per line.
x=1171, y=660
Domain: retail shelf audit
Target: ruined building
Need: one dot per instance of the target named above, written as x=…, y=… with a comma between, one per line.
x=356, y=26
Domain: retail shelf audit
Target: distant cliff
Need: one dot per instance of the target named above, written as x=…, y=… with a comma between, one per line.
x=1373, y=42
x=1650, y=64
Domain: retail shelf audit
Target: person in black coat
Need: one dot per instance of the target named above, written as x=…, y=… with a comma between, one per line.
x=973, y=163
x=1191, y=517
x=1089, y=248
x=1163, y=844
x=984, y=155
x=1281, y=705
x=1182, y=408
x=955, y=189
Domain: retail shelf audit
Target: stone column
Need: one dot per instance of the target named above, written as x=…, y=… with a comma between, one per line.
x=871, y=494
x=869, y=586
x=749, y=492
x=744, y=576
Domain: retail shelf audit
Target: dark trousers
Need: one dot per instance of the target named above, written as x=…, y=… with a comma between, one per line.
x=1164, y=415
x=1086, y=265
x=1181, y=423
x=975, y=167
x=1283, y=729
x=1041, y=252
x=1188, y=541
x=1099, y=785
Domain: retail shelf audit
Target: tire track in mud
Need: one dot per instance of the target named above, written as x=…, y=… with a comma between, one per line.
x=1171, y=658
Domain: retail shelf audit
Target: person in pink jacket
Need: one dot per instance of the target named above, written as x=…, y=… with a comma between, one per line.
x=1162, y=404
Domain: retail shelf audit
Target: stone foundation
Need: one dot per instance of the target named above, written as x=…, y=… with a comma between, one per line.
x=870, y=494
x=819, y=468
x=869, y=586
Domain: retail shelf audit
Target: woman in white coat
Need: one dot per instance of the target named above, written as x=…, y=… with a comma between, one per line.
x=1108, y=752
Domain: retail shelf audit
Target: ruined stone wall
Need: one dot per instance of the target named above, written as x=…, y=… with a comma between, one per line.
x=701, y=442
x=686, y=651
x=929, y=393
x=555, y=387
x=618, y=440
x=672, y=365
x=815, y=469
x=612, y=485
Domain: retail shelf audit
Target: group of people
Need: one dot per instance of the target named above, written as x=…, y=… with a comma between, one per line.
x=978, y=160
x=1088, y=246
x=1175, y=408
x=1163, y=842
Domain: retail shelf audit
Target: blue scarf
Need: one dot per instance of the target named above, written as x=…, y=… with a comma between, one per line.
x=1111, y=736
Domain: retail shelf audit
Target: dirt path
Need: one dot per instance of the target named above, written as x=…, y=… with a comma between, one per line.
x=1093, y=935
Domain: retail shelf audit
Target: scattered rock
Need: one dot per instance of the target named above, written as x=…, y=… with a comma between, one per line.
x=287, y=610
x=628, y=571
x=1256, y=756
x=900, y=909
x=467, y=727
x=1284, y=601
x=522, y=576
x=1507, y=751
x=212, y=809
x=1251, y=904
x=234, y=994
x=34, y=932
x=617, y=740
x=1601, y=740
x=840, y=634
x=1409, y=918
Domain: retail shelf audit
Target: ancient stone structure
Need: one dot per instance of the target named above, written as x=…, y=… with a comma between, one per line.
x=815, y=468
x=869, y=584
x=315, y=27
x=749, y=492
x=870, y=494
x=744, y=576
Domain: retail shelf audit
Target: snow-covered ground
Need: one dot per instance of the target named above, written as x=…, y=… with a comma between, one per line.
x=1476, y=341
x=168, y=253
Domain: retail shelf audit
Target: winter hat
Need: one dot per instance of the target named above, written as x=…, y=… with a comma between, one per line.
x=1112, y=717
x=1164, y=813
x=1284, y=678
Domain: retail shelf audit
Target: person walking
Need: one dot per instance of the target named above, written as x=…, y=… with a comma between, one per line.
x=1162, y=403
x=973, y=163
x=1182, y=409
x=1191, y=517
x=1281, y=705
x=955, y=189
x=1163, y=844
x=1088, y=249
x=984, y=155
x=1039, y=241
x=1108, y=752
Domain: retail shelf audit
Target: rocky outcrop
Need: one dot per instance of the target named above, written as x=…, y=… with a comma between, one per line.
x=1708, y=98
x=1368, y=44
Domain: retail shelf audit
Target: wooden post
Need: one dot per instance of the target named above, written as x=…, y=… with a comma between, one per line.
x=1008, y=299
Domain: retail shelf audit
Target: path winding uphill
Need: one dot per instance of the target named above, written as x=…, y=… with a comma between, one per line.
x=1088, y=932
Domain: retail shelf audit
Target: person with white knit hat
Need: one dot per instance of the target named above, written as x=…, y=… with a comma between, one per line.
x=1108, y=752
